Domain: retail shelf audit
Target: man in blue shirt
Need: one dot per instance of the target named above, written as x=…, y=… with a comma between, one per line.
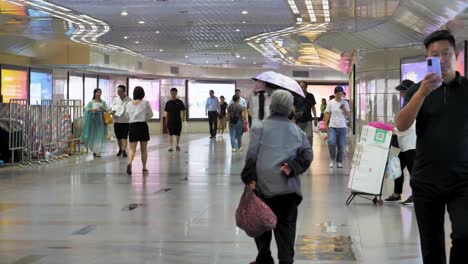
x=212, y=110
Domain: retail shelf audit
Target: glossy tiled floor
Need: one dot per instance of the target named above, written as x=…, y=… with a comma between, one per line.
x=85, y=210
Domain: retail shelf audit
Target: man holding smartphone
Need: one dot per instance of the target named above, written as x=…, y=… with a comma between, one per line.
x=440, y=172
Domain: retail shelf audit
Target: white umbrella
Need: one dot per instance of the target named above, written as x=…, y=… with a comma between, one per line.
x=280, y=80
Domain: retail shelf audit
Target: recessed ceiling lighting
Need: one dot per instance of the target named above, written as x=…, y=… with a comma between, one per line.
x=243, y=22
x=243, y=58
x=157, y=32
x=244, y=12
x=216, y=46
x=124, y=13
x=186, y=56
x=237, y=30
x=255, y=62
x=141, y=22
x=137, y=42
x=206, y=61
x=126, y=37
x=161, y=50
x=237, y=56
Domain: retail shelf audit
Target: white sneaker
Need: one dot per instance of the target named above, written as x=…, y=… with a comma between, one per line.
x=339, y=165
x=234, y=150
x=332, y=164
x=240, y=149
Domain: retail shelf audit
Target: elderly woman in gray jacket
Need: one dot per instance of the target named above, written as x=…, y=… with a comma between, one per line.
x=279, y=152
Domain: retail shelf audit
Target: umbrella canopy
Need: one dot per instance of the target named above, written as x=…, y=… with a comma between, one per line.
x=280, y=80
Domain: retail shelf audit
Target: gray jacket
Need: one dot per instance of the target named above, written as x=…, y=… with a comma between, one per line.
x=274, y=142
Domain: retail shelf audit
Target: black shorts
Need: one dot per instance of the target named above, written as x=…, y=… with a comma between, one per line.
x=139, y=131
x=121, y=130
x=174, y=129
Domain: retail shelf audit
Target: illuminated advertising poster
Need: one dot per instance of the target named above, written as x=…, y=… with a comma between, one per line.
x=14, y=85
x=152, y=92
x=40, y=87
x=107, y=92
x=91, y=83
x=198, y=92
x=76, y=88
x=414, y=71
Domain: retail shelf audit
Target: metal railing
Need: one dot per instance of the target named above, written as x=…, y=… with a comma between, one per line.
x=18, y=119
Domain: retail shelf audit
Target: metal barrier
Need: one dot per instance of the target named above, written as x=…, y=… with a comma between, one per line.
x=71, y=124
x=34, y=134
x=18, y=118
x=48, y=131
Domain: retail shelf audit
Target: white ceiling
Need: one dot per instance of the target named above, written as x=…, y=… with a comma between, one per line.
x=310, y=33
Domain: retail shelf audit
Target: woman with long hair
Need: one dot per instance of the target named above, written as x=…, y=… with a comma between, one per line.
x=94, y=130
x=139, y=113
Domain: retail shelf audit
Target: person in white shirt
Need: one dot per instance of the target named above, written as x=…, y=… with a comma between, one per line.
x=139, y=113
x=121, y=125
x=335, y=122
x=407, y=145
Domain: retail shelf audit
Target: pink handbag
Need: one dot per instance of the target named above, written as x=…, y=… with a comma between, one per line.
x=253, y=215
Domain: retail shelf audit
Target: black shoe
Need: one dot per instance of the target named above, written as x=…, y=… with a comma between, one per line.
x=177, y=148
x=409, y=201
x=124, y=154
x=392, y=198
x=119, y=153
x=94, y=154
x=129, y=169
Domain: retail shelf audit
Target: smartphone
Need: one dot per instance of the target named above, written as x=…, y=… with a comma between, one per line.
x=433, y=65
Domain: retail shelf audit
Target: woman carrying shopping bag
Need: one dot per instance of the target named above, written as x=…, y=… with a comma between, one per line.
x=279, y=152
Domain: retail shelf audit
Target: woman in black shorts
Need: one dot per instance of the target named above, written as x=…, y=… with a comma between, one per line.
x=139, y=112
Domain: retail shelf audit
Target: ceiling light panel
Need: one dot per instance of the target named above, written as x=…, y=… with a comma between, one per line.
x=193, y=33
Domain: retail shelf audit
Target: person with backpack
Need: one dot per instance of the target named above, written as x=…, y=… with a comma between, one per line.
x=236, y=116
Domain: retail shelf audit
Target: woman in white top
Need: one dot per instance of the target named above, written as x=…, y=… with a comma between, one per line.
x=336, y=113
x=139, y=112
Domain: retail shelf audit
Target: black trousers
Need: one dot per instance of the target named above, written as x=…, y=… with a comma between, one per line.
x=285, y=209
x=406, y=160
x=441, y=187
x=213, y=122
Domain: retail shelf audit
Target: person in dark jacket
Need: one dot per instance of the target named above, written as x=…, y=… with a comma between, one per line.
x=279, y=152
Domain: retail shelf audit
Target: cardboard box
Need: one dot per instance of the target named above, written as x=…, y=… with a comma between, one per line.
x=367, y=168
x=375, y=137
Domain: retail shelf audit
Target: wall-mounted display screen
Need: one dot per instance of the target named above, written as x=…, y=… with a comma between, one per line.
x=198, y=92
x=75, y=88
x=14, y=84
x=91, y=83
x=40, y=87
x=152, y=92
x=413, y=69
x=107, y=92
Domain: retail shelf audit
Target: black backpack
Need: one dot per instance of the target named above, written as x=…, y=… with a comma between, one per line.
x=234, y=117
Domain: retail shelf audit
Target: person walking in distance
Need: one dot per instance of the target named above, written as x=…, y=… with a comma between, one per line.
x=335, y=122
x=304, y=111
x=439, y=179
x=121, y=125
x=222, y=120
x=211, y=110
x=175, y=115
